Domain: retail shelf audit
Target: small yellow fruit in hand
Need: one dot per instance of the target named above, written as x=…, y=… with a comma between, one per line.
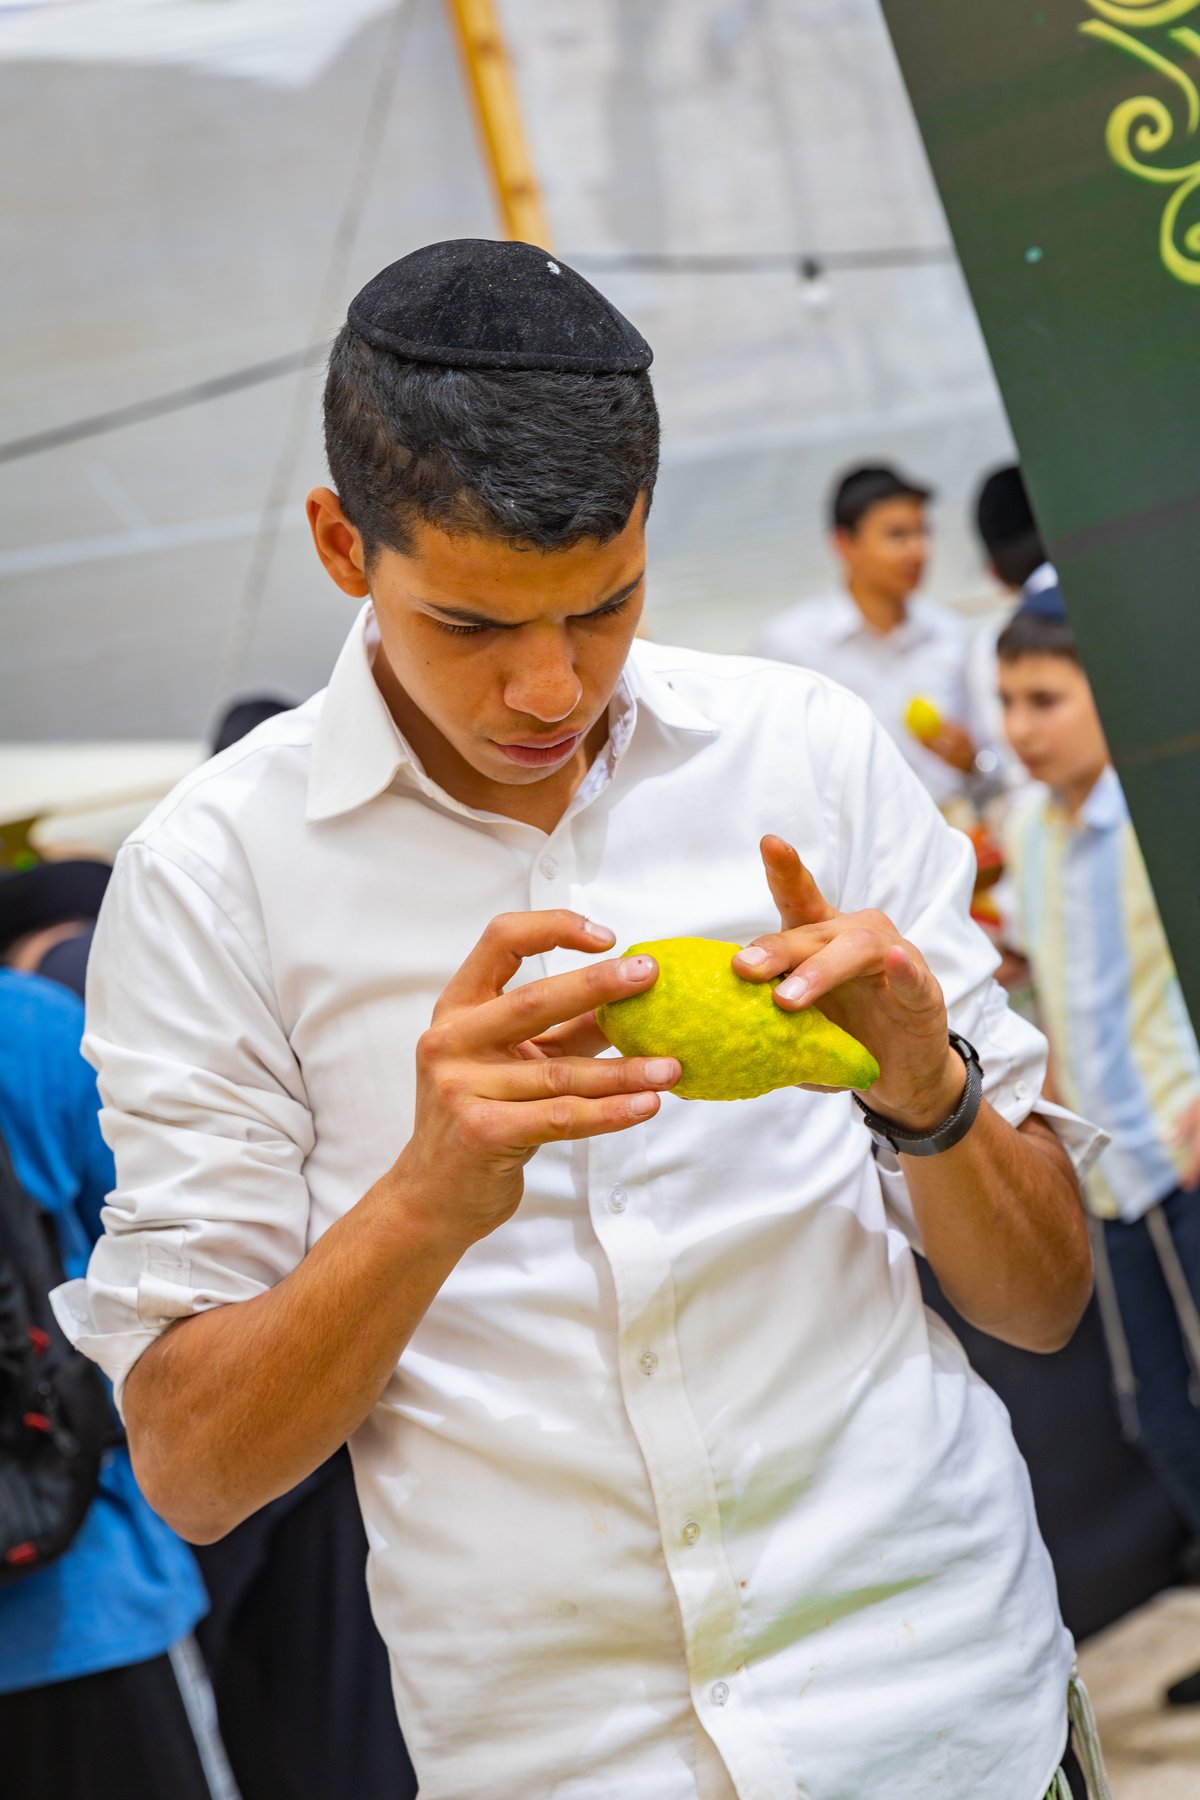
x=730, y=1038
x=923, y=719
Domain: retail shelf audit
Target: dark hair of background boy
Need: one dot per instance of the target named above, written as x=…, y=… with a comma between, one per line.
x=860, y=489
x=1005, y=522
x=1030, y=633
x=529, y=457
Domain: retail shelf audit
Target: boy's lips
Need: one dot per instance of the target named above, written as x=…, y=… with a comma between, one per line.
x=537, y=755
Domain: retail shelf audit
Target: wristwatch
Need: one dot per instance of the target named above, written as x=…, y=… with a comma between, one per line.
x=891, y=1140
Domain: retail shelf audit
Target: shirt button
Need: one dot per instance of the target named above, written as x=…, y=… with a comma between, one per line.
x=1021, y=1089
x=549, y=867
x=718, y=1693
x=691, y=1532
x=618, y=1200
x=647, y=1362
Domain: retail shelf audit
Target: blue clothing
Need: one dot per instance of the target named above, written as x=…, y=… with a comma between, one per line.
x=1168, y=1423
x=1124, y=1051
x=127, y=1588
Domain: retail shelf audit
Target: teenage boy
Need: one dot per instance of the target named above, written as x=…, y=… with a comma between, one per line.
x=875, y=633
x=1017, y=558
x=672, y=1488
x=1122, y=1045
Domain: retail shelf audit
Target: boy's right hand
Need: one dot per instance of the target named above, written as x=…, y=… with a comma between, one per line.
x=493, y=1084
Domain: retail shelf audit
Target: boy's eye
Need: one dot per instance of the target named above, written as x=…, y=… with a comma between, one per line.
x=461, y=630
x=605, y=612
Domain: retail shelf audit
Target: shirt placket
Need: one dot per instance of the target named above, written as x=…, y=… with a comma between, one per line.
x=679, y=1471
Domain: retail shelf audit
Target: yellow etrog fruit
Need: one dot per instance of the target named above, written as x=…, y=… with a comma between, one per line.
x=729, y=1036
x=922, y=719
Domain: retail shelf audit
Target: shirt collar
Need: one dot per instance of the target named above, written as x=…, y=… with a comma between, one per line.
x=1103, y=810
x=357, y=746
x=358, y=749
x=846, y=620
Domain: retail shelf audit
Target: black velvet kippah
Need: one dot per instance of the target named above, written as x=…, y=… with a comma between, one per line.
x=473, y=303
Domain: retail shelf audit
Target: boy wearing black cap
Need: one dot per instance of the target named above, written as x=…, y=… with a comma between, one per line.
x=671, y=1487
x=1017, y=558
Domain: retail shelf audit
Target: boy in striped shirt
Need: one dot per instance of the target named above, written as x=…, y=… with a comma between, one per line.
x=1122, y=1046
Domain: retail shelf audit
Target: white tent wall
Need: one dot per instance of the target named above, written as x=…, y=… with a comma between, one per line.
x=173, y=203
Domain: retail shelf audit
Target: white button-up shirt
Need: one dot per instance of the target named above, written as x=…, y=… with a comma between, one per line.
x=677, y=1492
x=925, y=655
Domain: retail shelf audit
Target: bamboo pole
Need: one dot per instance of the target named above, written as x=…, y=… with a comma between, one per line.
x=497, y=111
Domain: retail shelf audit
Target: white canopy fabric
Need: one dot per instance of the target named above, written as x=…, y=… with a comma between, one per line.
x=204, y=187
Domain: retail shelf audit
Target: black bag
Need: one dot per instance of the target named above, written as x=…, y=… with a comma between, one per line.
x=55, y=1418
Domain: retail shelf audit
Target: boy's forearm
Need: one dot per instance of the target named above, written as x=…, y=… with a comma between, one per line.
x=233, y=1407
x=1003, y=1227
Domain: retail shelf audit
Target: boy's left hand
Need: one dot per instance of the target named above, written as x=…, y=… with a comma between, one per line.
x=955, y=745
x=1187, y=1136
x=867, y=979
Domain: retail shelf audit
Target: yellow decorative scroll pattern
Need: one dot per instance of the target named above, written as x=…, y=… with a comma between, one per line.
x=1142, y=14
x=1141, y=129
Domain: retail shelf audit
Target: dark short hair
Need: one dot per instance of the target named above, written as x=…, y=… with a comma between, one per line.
x=530, y=457
x=1004, y=519
x=1030, y=633
x=859, y=490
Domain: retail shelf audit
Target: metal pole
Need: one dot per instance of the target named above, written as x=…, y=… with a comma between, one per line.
x=498, y=116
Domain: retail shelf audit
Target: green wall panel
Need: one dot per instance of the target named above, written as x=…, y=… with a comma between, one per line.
x=1065, y=140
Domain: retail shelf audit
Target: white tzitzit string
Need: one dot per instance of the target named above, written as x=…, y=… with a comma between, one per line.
x=1087, y=1739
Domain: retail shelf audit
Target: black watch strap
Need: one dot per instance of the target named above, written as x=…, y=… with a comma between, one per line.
x=944, y=1136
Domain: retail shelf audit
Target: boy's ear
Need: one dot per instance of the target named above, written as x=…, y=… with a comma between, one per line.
x=338, y=543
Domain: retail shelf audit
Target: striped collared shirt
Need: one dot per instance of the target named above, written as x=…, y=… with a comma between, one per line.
x=1124, y=1052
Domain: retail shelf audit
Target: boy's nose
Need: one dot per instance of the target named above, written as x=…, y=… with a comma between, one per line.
x=544, y=684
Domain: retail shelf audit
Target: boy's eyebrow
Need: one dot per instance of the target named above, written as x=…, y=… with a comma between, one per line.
x=462, y=616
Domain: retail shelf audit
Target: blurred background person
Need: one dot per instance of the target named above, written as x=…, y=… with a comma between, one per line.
x=242, y=715
x=875, y=633
x=103, y=1694
x=1016, y=556
x=47, y=916
x=1121, y=1043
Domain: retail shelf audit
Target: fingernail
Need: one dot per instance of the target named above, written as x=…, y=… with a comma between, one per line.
x=752, y=957
x=635, y=968
x=662, y=1069
x=794, y=988
x=641, y=1104
x=601, y=932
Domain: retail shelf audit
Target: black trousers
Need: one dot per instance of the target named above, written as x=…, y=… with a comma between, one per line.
x=1074, y=1775
x=300, y=1672
x=120, y=1735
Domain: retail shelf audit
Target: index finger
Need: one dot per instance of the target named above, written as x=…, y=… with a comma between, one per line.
x=507, y=940
x=530, y=1011
x=793, y=889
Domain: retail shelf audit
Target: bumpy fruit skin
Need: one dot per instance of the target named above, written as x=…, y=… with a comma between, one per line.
x=731, y=1039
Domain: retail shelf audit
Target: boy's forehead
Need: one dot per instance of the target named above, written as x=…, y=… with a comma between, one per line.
x=459, y=569
x=1039, y=669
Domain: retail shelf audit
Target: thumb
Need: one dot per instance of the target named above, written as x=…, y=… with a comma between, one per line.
x=793, y=889
x=909, y=978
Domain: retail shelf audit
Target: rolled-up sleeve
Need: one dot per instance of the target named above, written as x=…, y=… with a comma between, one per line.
x=203, y=1106
x=900, y=857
